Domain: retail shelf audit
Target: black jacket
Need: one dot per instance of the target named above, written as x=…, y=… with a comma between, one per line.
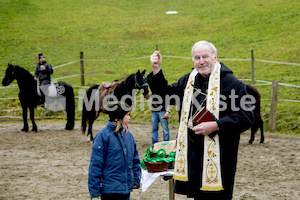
x=231, y=123
x=43, y=74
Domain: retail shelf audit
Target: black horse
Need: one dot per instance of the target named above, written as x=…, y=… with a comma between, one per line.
x=91, y=111
x=29, y=97
x=258, y=122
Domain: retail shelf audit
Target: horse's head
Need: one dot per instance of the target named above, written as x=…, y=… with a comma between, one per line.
x=141, y=83
x=10, y=75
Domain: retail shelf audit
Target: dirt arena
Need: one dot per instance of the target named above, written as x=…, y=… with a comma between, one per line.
x=53, y=164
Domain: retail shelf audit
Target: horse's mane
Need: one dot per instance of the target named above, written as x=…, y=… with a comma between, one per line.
x=123, y=86
x=24, y=72
x=128, y=78
x=126, y=82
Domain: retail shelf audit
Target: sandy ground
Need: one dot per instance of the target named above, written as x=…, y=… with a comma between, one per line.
x=53, y=164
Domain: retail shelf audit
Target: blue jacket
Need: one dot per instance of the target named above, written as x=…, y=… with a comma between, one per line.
x=115, y=165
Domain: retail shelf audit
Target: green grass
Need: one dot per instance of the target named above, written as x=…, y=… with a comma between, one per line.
x=118, y=30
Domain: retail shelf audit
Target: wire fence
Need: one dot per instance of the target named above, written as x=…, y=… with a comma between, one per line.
x=260, y=82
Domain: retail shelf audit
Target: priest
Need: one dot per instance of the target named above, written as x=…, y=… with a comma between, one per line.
x=206, y=155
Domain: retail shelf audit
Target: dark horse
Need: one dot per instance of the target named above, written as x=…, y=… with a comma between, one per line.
x=29, y=97
x=91, y=113
x=258, y=122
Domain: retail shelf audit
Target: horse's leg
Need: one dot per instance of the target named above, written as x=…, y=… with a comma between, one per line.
x=254, y=128
x=252, y=135
x=31, y=111
x=90, y=130
x=25, y=127
x=83, y=126
x=261, y=125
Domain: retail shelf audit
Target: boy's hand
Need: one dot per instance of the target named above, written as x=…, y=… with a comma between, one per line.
x=135, y=187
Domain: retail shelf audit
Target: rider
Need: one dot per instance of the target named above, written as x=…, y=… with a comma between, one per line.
x=43, y=71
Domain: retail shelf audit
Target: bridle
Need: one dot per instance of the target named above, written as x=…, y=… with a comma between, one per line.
x=137, y=85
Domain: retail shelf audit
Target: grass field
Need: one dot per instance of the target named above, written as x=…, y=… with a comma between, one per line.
x=110, y=33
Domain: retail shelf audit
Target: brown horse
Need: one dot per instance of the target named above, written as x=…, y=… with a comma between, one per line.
x=258, y=122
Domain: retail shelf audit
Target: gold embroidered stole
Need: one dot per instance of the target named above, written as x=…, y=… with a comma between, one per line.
x=181, y=165
x=211, y=175
x=211, y=179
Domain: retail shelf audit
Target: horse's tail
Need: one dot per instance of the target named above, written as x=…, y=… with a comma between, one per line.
x=84, y=118
x=87, y=114
x=255, y=93
x=70, y=106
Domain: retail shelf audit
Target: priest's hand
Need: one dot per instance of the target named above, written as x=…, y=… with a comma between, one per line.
x=156, y=61
x=206, y=128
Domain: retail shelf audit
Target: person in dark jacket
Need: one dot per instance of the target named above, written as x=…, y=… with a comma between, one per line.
x=235, y=116
x=43, y=70
x=115, y=167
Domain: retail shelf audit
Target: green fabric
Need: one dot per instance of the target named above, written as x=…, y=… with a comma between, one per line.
x=159, y=157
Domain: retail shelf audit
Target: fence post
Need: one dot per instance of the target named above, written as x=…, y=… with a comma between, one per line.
x=252, y=65
x=81, y=68
x=272, y=119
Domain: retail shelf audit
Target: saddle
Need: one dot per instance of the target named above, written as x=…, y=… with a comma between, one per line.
x=106, y=88
x=48, y=90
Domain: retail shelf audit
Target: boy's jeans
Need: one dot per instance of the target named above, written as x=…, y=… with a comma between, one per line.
x=156, y=117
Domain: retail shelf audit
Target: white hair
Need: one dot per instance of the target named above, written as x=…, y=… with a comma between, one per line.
x=202, y=43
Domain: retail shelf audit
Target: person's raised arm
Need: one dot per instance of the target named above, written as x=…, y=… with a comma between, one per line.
x=156, y=61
